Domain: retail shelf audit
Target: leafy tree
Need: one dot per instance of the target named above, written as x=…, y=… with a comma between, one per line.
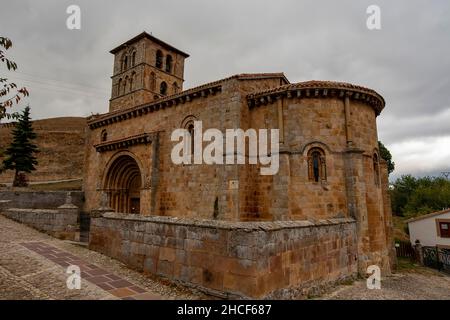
x=8, y=90
x=385, y=154
x=20, y=154
x=432, y=194
x=416, y=196
x=401, y=192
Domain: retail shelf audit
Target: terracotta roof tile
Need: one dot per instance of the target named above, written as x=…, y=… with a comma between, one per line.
x=317, y=84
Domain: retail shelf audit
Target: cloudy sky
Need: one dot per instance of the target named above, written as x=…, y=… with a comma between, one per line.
x=407, y=61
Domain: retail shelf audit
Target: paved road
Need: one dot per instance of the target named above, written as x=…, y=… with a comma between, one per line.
x=33, y=265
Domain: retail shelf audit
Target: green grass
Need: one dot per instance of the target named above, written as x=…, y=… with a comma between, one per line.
x=58, y=186
x=406, y=264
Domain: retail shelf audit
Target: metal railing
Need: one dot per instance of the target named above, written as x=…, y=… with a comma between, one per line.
x=437, y=258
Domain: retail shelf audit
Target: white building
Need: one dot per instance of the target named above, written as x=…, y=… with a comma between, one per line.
x=431, y=230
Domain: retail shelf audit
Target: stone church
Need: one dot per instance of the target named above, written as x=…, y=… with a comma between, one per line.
x=227, y=229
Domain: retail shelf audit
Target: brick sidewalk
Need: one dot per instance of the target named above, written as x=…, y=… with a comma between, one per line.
x=33, y=266
x=106, y=280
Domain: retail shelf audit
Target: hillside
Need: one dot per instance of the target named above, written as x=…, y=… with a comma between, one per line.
x=61, y=145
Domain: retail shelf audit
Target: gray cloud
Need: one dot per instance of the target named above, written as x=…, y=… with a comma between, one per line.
x=407, y=61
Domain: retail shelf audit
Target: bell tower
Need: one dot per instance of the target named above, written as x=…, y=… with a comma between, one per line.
x=145, y=69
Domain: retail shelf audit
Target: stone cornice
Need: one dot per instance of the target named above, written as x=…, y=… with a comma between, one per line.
x=231, y=225
x=318, y=89
x=126, y=72
x=112, y=145
x=169, y=101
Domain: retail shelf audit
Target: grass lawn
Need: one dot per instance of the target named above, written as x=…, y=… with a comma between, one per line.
x=58, y=186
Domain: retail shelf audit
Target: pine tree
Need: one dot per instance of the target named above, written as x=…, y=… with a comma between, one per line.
x=19, y=156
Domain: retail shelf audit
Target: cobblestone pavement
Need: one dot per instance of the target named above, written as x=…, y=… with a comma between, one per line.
x=420, y=284
x=33, y=265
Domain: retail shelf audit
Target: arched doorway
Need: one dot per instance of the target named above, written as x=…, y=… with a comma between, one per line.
x=123, y=185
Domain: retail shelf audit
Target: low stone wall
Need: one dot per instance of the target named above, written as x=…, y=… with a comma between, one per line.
x=60, y=223
x=244, y=259
x=41, y=199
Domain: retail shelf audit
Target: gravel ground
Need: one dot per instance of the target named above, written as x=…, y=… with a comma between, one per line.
x=416, y=283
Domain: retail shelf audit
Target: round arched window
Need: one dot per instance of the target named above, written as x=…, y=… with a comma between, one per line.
x=317, y=168
x=104, y=136
x=159, y=59
x=163, y=88
x=169, y=63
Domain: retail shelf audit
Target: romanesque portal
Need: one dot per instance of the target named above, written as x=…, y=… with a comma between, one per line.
x=123, y=182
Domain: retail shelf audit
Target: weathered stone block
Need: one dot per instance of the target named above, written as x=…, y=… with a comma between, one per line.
x=150, y=265
x=167, y=254
x=191, y=274
x=165, y=268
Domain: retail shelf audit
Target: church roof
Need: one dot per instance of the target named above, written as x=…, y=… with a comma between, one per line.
x=320, y=88
x=180, y=97
x=148, y=36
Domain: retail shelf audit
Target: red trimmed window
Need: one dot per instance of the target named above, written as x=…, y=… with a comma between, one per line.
x=444, y=228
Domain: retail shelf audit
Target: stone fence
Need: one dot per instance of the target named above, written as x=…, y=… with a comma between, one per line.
x=60, y=223
x=51, y=212
x=41, y=199
x=283, y=259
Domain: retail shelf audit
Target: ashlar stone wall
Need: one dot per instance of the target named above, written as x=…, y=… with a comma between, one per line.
x=230, y=259
x=60, y=223
x=54, y=213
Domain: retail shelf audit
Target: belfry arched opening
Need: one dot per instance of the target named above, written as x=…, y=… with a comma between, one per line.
x=123, y=185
